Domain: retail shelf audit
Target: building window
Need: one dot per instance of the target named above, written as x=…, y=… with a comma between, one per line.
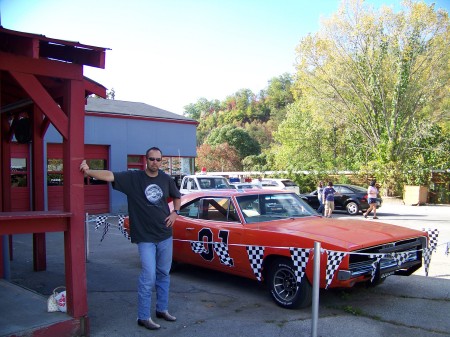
x=55, y=172
x=135, y=162
x=96, y=164
x=19, y=172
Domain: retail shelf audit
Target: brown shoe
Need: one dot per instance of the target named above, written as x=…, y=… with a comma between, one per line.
x=165, y=315
x=148, y=324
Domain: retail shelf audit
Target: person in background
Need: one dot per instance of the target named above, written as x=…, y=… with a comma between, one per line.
x=150, y=228
x=372, y=194
x=320, y=197
x=328, y=199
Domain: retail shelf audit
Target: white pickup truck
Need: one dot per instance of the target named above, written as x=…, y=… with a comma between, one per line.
x=201, y=182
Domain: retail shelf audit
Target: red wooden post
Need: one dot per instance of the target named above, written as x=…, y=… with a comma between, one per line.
x=39, y=244
x=74, y=238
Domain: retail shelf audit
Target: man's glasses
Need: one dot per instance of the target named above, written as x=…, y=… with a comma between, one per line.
x=153, y=159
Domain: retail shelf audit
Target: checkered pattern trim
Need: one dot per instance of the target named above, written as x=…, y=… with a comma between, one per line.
x=100, y=220
x=255, y=256
x=198, y=247
x=333, y=261
x=375, y=264
x=300, y=259
x=221, y=250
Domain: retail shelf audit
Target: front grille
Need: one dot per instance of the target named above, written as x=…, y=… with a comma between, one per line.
x=361, y=263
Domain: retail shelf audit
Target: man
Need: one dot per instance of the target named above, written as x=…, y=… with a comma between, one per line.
x=150, y=228
x=328, y=199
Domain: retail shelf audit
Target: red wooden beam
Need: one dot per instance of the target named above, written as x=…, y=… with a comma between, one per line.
x=33, y=222
x=41, y=67
x=41, y=97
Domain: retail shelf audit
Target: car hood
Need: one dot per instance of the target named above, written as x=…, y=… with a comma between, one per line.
x=347, y=234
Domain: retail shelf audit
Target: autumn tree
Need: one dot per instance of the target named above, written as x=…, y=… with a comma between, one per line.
x=221, y=157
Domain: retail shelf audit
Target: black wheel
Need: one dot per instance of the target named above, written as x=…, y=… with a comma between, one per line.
x=352, y=208
x=283, y=285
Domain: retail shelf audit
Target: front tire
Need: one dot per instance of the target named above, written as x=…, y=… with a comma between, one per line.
x=283, y=285
x=352, y=208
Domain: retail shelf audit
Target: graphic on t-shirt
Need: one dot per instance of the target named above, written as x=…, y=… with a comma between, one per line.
x=153, y=193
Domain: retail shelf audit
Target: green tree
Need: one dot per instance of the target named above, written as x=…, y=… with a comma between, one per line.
x=381, y=73
x=237, y=138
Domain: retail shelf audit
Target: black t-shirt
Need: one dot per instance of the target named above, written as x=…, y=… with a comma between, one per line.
x=147, y=203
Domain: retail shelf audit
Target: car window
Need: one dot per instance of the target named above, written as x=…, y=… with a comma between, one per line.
x=345, y=190
x=191, y=210
x=218, y=209
x=268, y=207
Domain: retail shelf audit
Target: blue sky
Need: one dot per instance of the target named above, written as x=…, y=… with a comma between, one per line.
x=169, y=53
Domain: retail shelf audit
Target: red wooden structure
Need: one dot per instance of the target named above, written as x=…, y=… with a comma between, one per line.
x=42, y=83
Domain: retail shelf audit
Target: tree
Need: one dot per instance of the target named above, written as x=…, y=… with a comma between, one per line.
x=237, y=138
x=201, y=108
x=382, y=73
x=221, y=157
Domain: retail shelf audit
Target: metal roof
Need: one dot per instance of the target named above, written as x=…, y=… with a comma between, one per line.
x=125, y=108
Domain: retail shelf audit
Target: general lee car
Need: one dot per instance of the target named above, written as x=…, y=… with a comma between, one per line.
x=270, y=235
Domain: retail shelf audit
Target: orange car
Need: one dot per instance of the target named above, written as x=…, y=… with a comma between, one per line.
x=270, y=235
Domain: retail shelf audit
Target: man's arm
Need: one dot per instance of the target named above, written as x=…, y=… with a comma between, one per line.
x=104, y=175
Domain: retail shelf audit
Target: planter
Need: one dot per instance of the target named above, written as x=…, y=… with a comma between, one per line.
x=415, y=195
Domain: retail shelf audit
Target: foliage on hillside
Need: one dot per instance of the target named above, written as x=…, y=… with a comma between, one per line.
x=371, y=95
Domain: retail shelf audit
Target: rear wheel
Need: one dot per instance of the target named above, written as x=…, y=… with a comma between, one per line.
x=352, y=208
x=284, y=288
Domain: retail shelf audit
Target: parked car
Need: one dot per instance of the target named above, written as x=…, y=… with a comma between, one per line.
x=245, y=186
x=201, y=182
x=269, y=236
x=279, y=184
x=350, y=198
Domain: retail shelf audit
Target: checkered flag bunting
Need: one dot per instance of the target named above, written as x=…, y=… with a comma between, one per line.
x=255, y=256
x=427, y=259
x=400, y=257
x=100, y=220
x=198, y=247
x=121, y=227
x=375, y=263
x=333, y=261
x=300, y=259
x=221, y=250
x=433, y=238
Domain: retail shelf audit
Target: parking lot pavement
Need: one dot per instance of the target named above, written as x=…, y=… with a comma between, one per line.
x=210, y=303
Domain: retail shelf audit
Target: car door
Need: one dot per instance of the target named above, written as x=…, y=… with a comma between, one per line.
x=342, y=196
x=210, y=234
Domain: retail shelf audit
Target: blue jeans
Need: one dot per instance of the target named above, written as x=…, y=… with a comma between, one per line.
x=156, y=260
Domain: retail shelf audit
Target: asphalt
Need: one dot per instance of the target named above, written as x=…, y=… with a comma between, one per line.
x=211, y=303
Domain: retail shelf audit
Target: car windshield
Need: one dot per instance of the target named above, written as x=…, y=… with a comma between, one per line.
x=213, y=183
x=288, y=183
x=273, y=206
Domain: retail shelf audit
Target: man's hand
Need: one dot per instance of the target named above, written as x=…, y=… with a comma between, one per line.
x=84, y=167
x=171, y=219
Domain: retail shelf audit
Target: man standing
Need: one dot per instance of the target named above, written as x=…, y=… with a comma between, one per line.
x=328, y=199
x=150, y=228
